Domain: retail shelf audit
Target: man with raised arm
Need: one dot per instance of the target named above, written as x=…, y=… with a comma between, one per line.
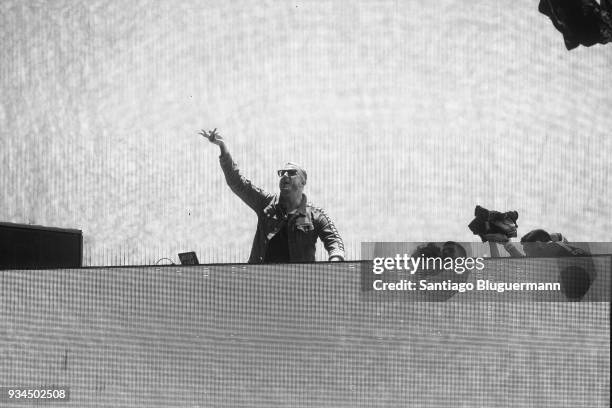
x=287, y=226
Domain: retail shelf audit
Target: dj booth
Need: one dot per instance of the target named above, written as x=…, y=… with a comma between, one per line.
x=298, y=335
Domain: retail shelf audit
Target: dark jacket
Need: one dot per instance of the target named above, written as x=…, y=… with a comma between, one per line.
x=303, y=227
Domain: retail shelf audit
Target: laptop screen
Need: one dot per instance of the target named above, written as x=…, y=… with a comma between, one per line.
x=188, y=258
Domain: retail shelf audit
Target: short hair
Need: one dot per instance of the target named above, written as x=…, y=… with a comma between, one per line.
x=429, y=250
x=459, y=249
x=294, y=166
x=537, y=235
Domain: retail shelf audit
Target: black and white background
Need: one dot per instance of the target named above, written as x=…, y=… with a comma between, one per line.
x=405, y=115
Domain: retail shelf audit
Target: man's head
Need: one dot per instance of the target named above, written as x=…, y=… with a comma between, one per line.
x=533, y=242
x=452, y=249
x=292, y=178
x=537, y=235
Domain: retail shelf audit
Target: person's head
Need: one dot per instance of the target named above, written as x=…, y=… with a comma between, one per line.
x=453, y=250
x=292, y=178
x=533, y=240
x=537, y=235
x=429, y=250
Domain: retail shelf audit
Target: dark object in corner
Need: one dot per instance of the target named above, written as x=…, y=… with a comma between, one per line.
x=493, y=222
x=582, y=22
x=36, y=247
x=188, y=258
x=575, y=282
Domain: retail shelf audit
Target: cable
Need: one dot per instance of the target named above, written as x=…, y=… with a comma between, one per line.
x=160, y=259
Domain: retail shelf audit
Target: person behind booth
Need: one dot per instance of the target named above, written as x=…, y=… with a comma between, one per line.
x=288, y=225
x=538, y=243
x=575, y=276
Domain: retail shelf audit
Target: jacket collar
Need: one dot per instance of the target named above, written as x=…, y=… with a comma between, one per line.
x=275, y=207
x=302, y=208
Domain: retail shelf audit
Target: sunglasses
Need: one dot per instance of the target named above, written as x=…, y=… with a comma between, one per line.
x=290, y=173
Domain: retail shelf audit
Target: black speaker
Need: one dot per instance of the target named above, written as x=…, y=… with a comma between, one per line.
x=36, y=247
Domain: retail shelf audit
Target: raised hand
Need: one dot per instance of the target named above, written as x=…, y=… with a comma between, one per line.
x=496, y=237
x=212, y=136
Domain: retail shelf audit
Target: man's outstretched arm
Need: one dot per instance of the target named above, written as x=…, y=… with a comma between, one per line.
x=253, y=196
